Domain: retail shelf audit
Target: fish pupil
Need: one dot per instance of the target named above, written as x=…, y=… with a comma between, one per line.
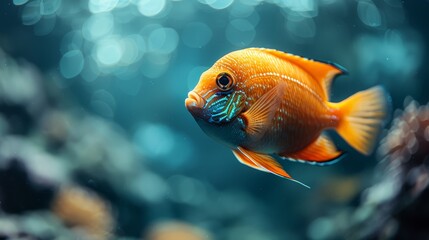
x=224, y=80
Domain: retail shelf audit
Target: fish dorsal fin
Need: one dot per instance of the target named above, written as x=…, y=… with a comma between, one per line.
x=258, y=117
x=322, y=72
x=320, y=152
x=262, y=162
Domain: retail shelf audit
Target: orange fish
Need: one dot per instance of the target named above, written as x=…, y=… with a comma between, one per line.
x=263, y=102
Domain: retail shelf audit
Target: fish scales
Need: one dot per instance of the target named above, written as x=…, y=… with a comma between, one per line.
x=263, y=102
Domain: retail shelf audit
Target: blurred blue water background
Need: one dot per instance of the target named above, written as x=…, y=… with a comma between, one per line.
x=130, y=64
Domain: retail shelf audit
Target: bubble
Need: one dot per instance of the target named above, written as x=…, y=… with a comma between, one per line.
x=108, y=51
x=31, y=13
x=196, y=34
x=97, y=26
x=97, y=6
x=71, y=64
x=368, y=13
x=163, y=40
x=240, y=32
x=20, y=2
x=303, y=28
x=150, y=8
x=49, y=7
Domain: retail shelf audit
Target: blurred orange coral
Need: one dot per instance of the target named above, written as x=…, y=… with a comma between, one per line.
x=176, y=231
x=83, y=209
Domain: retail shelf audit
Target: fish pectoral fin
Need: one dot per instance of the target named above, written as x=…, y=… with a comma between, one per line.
x=262, y=162
x=320, y=152
x=259, y=116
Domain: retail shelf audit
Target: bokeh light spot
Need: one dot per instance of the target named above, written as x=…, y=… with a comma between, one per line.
x=163, y=40
x=103, y=103
x=109, y=51
x=220, y=4
x=20, y=2
x=196, y=34
x=49, y=7
x=45, y=26
x=150, y=8
x=98, y=25
x=97, y=6
x=71, y=64
x=132, y=49
x=31, y=13
x=154, y=140
x=368, y=13
x=240, y=32
x=303, y=28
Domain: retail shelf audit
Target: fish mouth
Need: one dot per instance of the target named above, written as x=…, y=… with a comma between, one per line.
x=194, y=101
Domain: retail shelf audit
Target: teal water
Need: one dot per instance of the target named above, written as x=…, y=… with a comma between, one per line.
x=98, y=86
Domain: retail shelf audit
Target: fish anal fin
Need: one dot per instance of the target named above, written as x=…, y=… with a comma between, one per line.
x=259, y=116
x=322, y=151
x=322, y=72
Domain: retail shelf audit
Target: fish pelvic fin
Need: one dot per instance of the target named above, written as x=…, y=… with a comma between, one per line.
x=361, y=118
x=262, y=162
x=259, y=116
x=321, y=152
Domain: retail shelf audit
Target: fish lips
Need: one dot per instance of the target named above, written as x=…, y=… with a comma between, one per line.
x=195, y=105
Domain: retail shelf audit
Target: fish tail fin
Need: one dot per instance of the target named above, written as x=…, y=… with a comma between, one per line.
x=361, y=118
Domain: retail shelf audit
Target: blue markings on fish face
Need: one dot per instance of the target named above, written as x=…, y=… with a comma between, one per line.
x=224, y=107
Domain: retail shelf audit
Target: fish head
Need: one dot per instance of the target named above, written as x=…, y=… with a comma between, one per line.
x=217, y=97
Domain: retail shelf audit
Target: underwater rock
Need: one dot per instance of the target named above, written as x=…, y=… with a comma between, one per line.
x=29, y=176
x=22, y=95
x=83, y=209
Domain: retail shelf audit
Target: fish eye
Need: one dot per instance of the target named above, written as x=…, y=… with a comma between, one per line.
x=224, y=81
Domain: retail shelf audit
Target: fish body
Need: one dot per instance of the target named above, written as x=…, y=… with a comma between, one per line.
x=263, y=102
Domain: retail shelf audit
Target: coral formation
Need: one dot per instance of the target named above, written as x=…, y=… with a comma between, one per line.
x=83, y=209
x=400, y=199
x=176, y=231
